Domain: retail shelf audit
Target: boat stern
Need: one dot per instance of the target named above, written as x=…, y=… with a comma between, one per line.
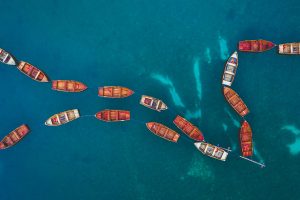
x=76, y=113
x=224, y=156
x=197, y=145
x=280, y=49
x=49, y=122
x=227, y=83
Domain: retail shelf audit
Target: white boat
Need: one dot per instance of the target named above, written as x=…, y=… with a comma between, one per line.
x=230, y=69
x=153, y=103
x=289, y=48
x=62, y=118
x=7, y=58
x=211, y=150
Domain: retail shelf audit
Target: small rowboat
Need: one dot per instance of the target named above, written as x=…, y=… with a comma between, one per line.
x=32, y=72
x=289, y=48
x=14, y=137
x=235, y=101
x=7, y=58
x=113, y=115
x=230, y=69
x=188, y=128
x=255, y=45
x=211, y=150
x=62, y=118
x=163, y=131
x=114, y=92
x=68, y=86
x=246, y=139
x=153, y=103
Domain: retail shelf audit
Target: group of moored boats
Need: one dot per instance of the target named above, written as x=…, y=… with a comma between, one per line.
x=38, y=75
x=110, y=115
x=260, y=45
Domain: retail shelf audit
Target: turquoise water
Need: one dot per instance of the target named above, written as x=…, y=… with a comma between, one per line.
x=173, y=50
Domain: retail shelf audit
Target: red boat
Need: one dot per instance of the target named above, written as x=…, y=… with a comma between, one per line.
x=113, y=115
x=235, y=101
x=14, y=137
x=246, y=139
x=163, y=131
x=68, y=86
x=32, y=72
x=255, y=45
x=114, y=92
x=188, y=128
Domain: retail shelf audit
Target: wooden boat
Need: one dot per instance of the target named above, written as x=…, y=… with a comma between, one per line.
x=113, y=115
x=7, y=58
x=14, y=137
x=246, y=139
x=114, y=92
x=153, y=103
x=289, y=48
x=32, y=72
x=62, y=118
x=211, y=150
x=68, y=86
x=163, y=131
x=235, y=101
x=230, y=69
x=255, y=45
x=188, y=128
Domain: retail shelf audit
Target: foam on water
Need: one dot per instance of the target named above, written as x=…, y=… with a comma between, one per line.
x=234, y=121
x=208, y=55
x=223, y=48
x=292, y=128
x=196, y=70
x=199, y=169
x=193, y=115
x=294, y=148
x=257, y=154
x=225, y=127
x=167, y=82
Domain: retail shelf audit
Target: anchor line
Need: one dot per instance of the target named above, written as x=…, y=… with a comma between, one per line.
x=262, y=165
x=87, y=116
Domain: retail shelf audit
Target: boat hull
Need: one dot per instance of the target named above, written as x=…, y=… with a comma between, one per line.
x=246, y=139
x=188, y=128
x=14, y=137
x=163, y=131
x=230, y=69
x=114, y=92
x=255, y=45
x=7, y=58
x=153, y=103
x=68, y=86
x=289, y=48
x=62, y=118
x=235, y=101
x=113, y=115
x=211, y=151
x=32, y=72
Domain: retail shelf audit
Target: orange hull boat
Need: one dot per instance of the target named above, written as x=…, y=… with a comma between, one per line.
x=14, y=137
x=246, y=139
x=163, y=131
x=32, y=72
x=68, y=86
x=188, y=128
x=114, y=92
x=235, y=101
x=255, y=45
x=113, y=115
